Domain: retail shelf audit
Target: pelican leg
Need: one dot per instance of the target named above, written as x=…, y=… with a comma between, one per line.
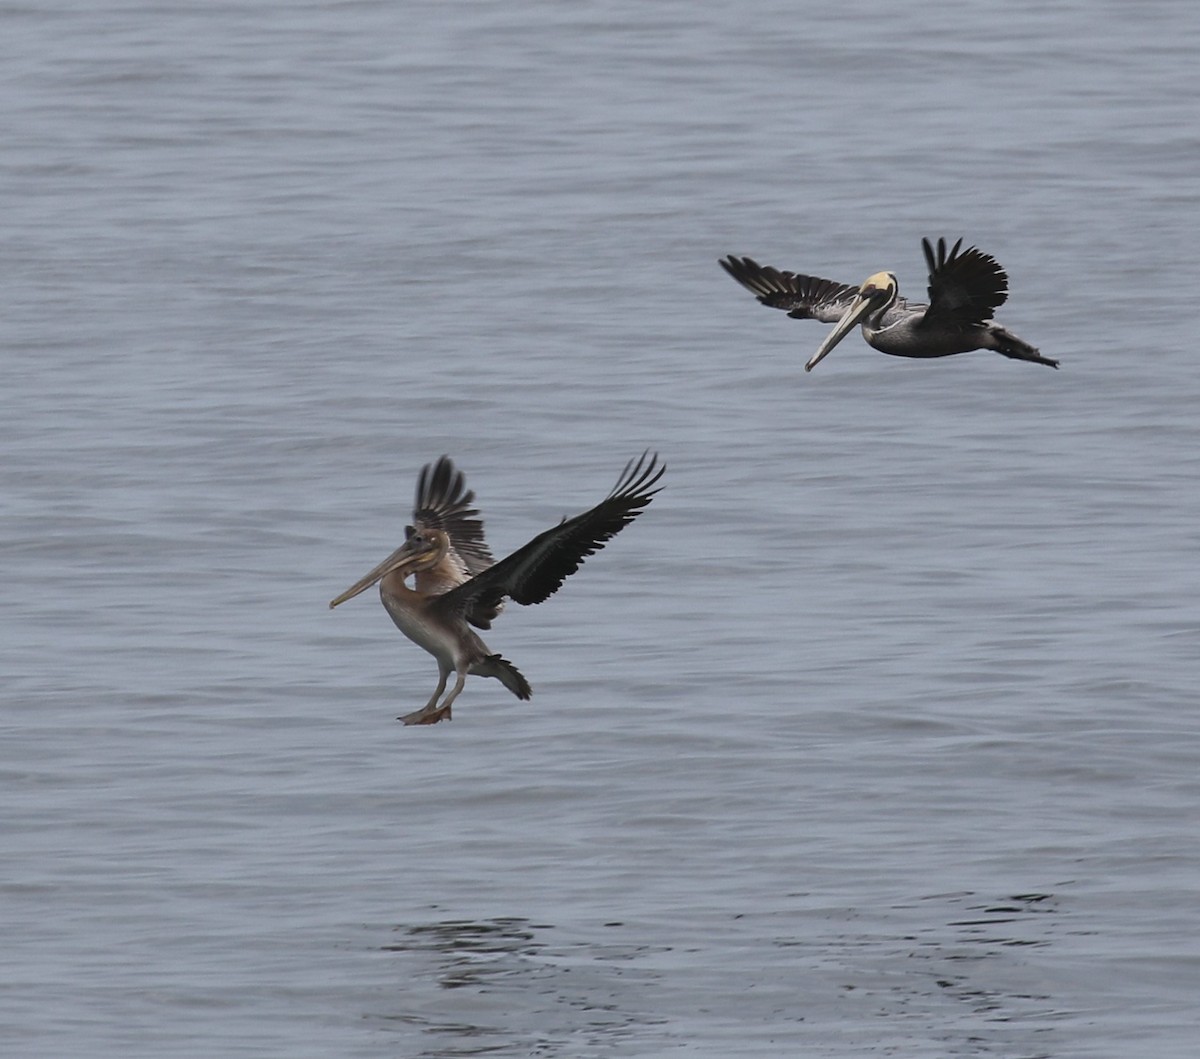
x=442, y=712
x=416, y=716
x=443, y=673
x=458, y=686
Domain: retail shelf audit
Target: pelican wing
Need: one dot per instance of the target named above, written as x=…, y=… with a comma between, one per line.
x=803, y=297
x=443, y=502
x=536, y=571
x=964, y=288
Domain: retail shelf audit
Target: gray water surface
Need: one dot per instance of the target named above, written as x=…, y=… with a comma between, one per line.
x=876, y=735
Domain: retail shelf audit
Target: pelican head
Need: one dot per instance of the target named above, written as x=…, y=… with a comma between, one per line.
x=874, y=296
x=420, y=551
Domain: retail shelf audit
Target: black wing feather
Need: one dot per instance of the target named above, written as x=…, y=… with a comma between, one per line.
x=802, y=297
x=535, y=572
x=966, y=288
x=443, y=502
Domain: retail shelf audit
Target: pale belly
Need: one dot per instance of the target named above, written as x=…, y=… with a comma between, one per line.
x=447, y=647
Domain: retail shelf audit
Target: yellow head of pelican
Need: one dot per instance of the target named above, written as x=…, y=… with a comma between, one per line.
x=876, y=295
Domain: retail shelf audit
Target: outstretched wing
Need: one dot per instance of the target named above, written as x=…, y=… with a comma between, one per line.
x=443, y=502
x=803, y=297
x=536, y=571
x=964, y=289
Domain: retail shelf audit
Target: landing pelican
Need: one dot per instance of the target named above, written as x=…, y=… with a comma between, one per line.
x=964, y=290
x=457, y=581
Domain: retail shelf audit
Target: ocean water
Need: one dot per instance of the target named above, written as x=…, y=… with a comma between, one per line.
x=876, y=735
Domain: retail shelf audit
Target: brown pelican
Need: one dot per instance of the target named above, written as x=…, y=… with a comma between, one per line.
x=964, y=290
x=457, y=581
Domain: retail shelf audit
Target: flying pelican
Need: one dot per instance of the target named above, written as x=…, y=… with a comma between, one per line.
x=457, y=581
x=964, y=290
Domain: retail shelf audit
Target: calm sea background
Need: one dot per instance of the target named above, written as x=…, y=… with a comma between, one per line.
x=877, y=735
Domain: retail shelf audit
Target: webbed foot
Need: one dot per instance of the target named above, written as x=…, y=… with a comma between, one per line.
x=428, y=715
